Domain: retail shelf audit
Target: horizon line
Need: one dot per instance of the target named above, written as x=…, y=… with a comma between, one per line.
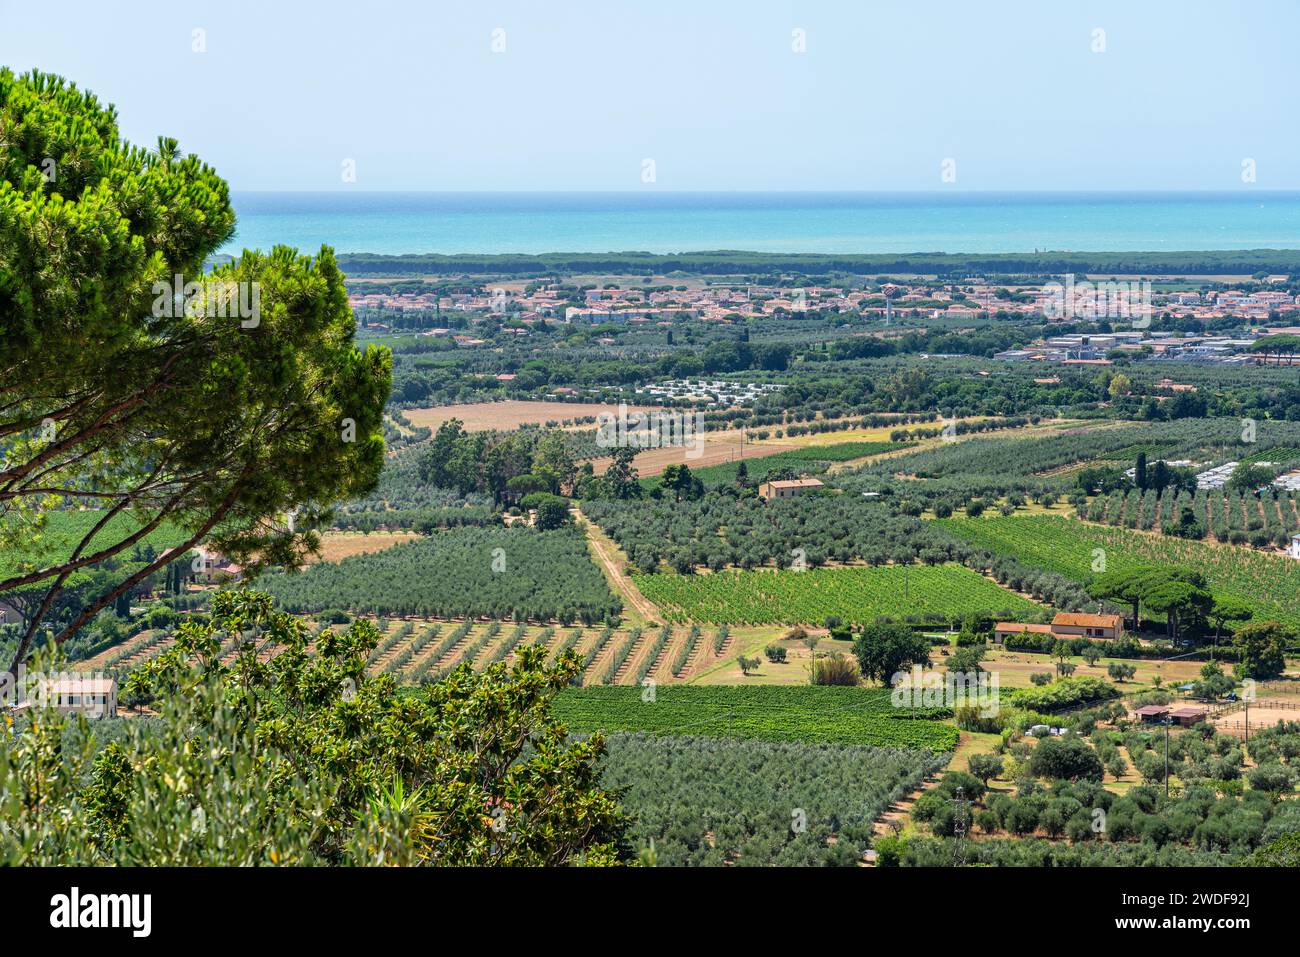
x=752, y=192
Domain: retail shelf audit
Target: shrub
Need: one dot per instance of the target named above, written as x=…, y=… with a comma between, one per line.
x=986, y=766
x=835, y=669
x=1070, y=759
x=1273, y=778
x=269, y=750
x=1063, y=693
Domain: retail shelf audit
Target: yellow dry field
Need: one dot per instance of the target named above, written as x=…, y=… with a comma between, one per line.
x=336, y=546
x=481, y=416
x=715, y=448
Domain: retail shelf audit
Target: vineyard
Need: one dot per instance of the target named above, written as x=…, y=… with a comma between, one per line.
x=805, y=713
x=1264, y=520
x=1042, y=463
x=516, y=573
x=854, y=594
x=717, y=801
x=418, y=651
x=1267, y=583
x=64, y=529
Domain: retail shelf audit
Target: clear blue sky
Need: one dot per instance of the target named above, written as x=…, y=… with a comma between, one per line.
x=709, y=89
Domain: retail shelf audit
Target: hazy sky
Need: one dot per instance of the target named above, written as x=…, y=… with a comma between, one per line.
x=711, y=90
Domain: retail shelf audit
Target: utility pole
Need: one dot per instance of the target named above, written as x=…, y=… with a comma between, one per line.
x=961, y=808
x=1246, y=702
x=1168, y=721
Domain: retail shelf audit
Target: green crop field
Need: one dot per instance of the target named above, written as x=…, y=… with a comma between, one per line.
x=496, y=572
x=1268, y=583
x=819, y=715
x=805, y=458
x=1132, y=451
x=1278, y=455
x=64, y=529
x=842, y=451
x=854, y=593
x=706, y=801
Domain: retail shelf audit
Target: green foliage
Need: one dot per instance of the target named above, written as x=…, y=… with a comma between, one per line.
x=1283, y=852
x=1064, y=693
x=299, y=759
x=1263, y=647
x=217, y=414
x=1260, y=581
x=986, y=766
x=1069, y=759
x=707, y=801
x=552, y=510
x=501, y=573
x=885, y=650
x=498, y=464
x=769, y=712
x=720, y=530
x=853, y=593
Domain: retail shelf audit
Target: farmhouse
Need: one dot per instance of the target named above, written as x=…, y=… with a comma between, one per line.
x=1072, y=625
x=71, y=694
x=787, y=488
x=1009, y=629
x=1064, y=625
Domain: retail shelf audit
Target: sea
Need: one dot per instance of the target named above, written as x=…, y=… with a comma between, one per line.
x=812, y=222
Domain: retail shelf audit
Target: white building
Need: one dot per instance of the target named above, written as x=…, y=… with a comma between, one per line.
x=73, y=694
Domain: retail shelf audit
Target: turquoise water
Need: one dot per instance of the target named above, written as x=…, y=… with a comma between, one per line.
x=661, y=222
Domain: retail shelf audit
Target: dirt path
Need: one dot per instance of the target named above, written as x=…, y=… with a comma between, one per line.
x=606, y=552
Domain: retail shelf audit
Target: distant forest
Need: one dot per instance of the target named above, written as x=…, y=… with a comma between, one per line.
x=730, y=262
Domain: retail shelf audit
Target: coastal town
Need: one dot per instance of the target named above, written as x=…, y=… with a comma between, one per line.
x=1131, y=319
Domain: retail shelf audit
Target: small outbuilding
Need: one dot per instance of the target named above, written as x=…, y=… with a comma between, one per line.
x=1152, y=713
x=1187, y=715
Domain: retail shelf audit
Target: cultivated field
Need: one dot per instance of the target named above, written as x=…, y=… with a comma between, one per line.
x=336, y=546
x=852, y=593
x=807, y=713
x=714, y=448
x=481, y=416
x=1268, y=583
x=417, y=650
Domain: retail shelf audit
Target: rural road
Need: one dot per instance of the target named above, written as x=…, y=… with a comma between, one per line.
x=605, y=551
